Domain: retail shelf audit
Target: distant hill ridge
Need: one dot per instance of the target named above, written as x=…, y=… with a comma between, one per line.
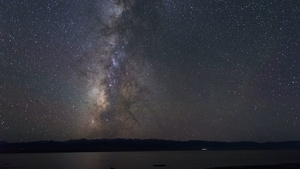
x=99, y=145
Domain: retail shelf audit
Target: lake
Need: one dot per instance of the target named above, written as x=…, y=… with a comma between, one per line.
x=148, y=160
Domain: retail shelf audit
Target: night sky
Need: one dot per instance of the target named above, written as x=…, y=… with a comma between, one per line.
x=216, y=70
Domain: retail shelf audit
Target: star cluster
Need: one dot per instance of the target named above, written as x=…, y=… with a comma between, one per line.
x=169, y=69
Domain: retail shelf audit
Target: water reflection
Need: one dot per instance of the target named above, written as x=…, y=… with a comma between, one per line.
x=147, y=160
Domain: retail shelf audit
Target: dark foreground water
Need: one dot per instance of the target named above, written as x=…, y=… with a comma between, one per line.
x=148, y=160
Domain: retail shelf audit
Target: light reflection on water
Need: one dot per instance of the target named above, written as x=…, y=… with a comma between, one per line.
x=146, y=160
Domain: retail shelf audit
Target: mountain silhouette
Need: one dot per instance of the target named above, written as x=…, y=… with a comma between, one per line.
x=102, y=145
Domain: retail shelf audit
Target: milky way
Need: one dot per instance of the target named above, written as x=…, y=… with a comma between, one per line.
x=120, y=84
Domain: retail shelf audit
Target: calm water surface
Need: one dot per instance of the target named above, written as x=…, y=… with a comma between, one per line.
x=146, y=160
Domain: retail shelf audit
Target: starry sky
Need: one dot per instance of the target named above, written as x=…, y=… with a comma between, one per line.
x=216, y=70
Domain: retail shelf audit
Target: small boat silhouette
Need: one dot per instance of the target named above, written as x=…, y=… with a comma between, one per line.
x=159, y=165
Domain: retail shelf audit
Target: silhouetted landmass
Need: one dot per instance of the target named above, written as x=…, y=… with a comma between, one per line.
x=99, y=145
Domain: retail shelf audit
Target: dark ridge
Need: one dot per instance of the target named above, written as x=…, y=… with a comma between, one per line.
x=99, y=145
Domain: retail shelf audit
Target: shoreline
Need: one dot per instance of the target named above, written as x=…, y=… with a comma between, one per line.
x=275, y=166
